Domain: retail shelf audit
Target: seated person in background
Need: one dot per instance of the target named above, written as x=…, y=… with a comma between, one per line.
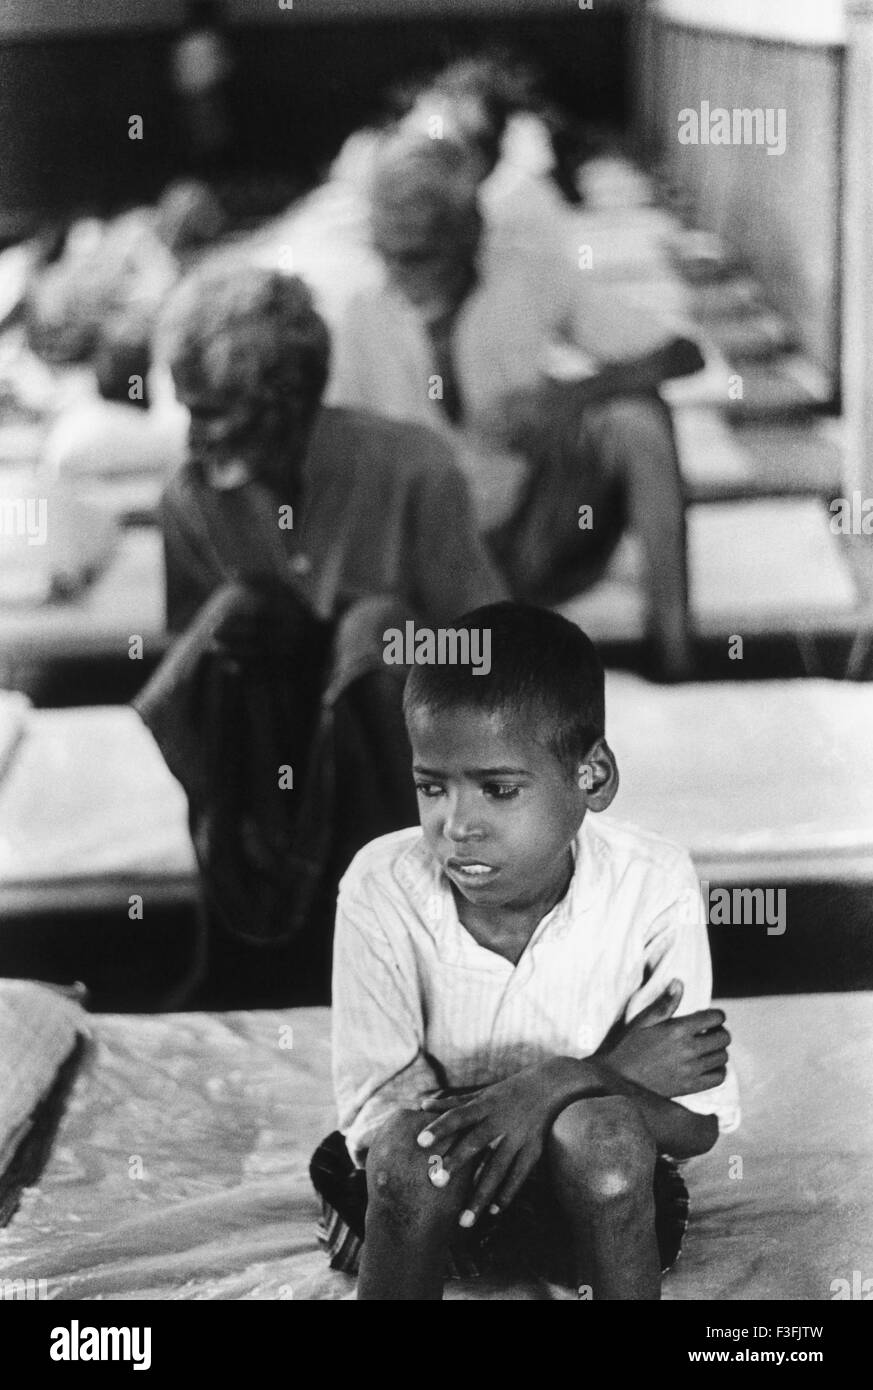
x=99, y=303
x=490, y=107
x=122, y=361
x=105, y=270
x=505, y=110
x=377, y=507
x=476, y=97
x=189, y=219
x=201, y=67
x=325, y=237
x=319, y=528
x=562, y=452
x=508, y=1045
x=118, y=430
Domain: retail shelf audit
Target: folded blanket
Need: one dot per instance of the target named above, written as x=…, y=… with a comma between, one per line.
x=14, y=709
x=39, y=1030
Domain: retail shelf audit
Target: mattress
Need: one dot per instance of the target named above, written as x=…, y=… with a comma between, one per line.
x=180, y=1168
x=126, y=598
x=89, y=813
x=761, y=568
x=729, y=771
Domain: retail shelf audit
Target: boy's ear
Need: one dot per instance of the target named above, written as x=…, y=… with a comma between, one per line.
x=598, y=776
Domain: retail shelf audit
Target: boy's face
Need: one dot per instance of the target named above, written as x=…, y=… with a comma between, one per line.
x=498, y=810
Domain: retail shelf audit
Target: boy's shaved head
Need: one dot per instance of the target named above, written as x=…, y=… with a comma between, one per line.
x=544, y=671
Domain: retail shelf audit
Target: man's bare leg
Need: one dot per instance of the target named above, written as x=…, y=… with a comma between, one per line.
x=636, y=443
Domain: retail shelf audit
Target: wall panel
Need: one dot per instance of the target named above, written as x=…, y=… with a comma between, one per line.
x=781, y=212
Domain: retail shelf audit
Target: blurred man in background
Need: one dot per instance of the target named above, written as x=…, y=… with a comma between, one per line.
x=545, y=384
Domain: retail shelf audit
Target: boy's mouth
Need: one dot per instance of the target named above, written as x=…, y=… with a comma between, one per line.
x=470, y=871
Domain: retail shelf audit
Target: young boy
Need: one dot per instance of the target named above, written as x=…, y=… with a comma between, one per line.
x=508, y=1048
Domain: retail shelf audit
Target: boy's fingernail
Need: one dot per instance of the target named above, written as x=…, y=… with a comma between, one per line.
x=425, y=1139
x=467, y=1219
x=439, y=1176
x=494, y=1209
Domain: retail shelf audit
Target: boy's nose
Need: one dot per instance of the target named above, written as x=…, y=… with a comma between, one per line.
x=461, y=823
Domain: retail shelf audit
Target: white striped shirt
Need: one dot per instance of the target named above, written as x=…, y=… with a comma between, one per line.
x=523, y=310
x=419, y=1004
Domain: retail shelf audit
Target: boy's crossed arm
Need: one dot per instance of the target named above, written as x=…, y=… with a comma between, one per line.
x=507, y=1123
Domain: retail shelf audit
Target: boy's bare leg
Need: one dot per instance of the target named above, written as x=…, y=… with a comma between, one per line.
x=409, y=1221
x=635, y=441
x=602, y=1161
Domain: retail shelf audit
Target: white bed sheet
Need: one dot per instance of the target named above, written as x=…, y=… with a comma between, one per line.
x=181, y=1168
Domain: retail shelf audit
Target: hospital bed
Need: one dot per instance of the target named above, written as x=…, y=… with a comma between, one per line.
x=179, y=1170
x=721, y=462
x=124, y=599
x=89, y=812
x=765, y=568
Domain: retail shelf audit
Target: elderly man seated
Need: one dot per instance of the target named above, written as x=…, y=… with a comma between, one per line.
x=545, y=384
x=278, y=485
x=296, y=536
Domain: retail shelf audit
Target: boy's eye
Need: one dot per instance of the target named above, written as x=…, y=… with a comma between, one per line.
x=497, y=791
x=501, y=791
x=428, y=788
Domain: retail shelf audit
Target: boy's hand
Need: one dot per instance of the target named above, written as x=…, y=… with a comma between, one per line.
x=505, y=1125
x=672, y=1056
x=448, y=1097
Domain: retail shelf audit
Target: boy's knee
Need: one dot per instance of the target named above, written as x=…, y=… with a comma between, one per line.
x=398, y=1186
x=603, y=1149
x=393, y=1148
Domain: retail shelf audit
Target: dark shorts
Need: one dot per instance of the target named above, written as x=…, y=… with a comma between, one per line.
x=543, y=549
x=530, y=1237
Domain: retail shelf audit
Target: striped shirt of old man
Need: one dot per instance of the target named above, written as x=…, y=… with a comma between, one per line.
x=527, y=317
x=418, y=1004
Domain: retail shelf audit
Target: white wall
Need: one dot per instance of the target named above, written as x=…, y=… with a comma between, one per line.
x=803, y=21
x=781, y=215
